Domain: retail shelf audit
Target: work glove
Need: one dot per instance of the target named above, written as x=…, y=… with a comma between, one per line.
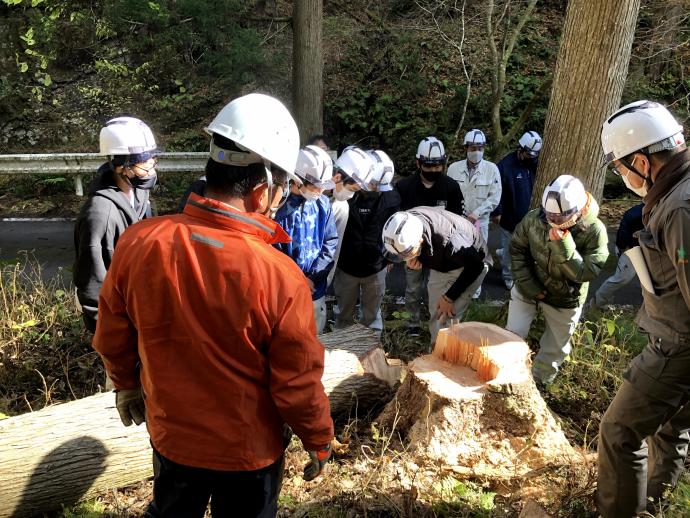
x=317, y=460
x=130, y=406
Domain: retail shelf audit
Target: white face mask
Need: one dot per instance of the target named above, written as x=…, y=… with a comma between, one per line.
x=309, y=195
x=343, y=194
x=640, y=191
x=475, y=156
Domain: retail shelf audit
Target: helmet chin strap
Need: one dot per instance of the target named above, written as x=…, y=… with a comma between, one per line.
x=630, y=166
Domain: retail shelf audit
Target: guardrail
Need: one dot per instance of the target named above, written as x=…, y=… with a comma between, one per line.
x=87, y=163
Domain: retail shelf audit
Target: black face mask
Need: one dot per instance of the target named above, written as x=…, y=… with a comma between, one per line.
x=431, y=176
x=144, y=182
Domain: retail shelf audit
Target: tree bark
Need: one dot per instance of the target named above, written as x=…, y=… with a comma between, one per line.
x=472, y=407
x=64, y=453
x=590, y=73
x=307, y=67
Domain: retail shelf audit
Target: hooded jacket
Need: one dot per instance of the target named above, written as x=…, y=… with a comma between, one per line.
x=361, y=252
x=561, y=268
x=101, y=221
x=314, y=237
x=217, y=326
x=451, y=242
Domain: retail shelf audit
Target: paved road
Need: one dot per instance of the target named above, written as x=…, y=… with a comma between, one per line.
x=51, y=243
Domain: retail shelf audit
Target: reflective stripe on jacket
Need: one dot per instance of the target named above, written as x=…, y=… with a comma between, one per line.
x=222, y=325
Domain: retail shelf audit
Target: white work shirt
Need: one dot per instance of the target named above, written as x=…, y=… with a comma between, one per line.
x=482, y=190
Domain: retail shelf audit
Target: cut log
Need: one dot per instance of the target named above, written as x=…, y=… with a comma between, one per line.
x=76, y=450
x=473, y=406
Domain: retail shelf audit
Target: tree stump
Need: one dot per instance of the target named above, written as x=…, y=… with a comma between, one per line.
x=64, y=453
x=473, y=407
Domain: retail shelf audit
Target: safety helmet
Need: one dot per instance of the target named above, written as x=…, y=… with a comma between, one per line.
x=530, y=143
x=383, y=170
x=401, y=235
x=563, y=201
x=430, y=151
x=644, y=126
x=474, y=137
x=127, y=136
x=315, y=166
x=357, y=165
x=262, y=127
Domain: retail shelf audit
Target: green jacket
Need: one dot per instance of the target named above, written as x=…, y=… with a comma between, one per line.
x=561, y=268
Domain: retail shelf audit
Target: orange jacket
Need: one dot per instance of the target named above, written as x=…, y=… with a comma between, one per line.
x=222, y=326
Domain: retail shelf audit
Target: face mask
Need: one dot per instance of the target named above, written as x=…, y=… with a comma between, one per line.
x=431, y=176
x=143, y=182
x=640, y=191
x=475, y=156
x=309, y=195
x=343, y=194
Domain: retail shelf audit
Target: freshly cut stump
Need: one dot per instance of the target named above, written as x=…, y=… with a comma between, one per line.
x=472, y=406
x=75, y=450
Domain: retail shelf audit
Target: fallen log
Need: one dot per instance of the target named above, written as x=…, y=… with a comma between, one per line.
x=68, y=452
x=473, y=406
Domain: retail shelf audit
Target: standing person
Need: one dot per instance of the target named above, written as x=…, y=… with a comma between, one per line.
x=308, y=219
x=479, y=181
x=428, y=187
x=450, y=246
x=649, y=418
x=556, y=250
x=119, y=198
x=361, y=272
x=518, y=170
x=626, y=238
x=209, y=330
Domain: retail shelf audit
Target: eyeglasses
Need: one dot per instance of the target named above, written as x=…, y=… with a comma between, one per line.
x=147, y=171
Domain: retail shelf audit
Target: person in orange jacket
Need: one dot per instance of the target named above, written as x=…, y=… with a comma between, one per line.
x=207, y=330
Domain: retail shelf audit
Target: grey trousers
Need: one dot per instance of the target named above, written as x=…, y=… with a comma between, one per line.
x=644, y=434
x=320, y=314
x=439, y=282
x=506, y=271
x=554, y=345
x=415, y=292
x=625, y=272
x=369, y=291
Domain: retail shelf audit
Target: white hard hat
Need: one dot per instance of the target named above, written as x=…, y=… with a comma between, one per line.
x=402, y=234
x=384, y=170
x=262, y=127
x=476, y=137
x=126, y=136
x=644, y=126
x=315, y=166
x=356, y=163
x=430, y=151
x=563, y=199
x=530, y=143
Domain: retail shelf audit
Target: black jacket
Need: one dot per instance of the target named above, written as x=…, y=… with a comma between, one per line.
x=631, y=222
x=444, y=193
x=101, y=222
x=451, y=242
x=361, y=252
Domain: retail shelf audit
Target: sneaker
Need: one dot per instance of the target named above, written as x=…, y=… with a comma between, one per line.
x=509, y=284
x=399, y=301
x=414, y=331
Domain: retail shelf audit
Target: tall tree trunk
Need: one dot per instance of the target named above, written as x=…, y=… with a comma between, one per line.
x=307, y=67
x=588, y=83
x=664, y=31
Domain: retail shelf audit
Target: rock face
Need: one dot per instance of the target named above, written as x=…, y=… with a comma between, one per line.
x=473, y=406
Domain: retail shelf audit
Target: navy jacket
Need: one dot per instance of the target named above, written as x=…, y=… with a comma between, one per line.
x=630, y=223
x=517, y=179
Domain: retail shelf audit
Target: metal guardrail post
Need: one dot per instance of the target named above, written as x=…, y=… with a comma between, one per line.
x=88, y=163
